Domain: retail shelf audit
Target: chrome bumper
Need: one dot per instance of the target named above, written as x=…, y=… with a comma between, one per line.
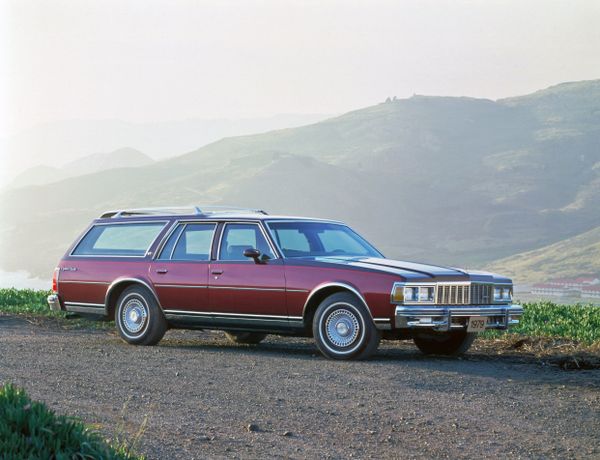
x=54, y=302
x=446, y=317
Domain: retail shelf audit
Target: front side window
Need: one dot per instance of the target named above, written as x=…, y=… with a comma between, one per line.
x=319, y=239
x=119, y=239
x=239, y=237
x=189, y=242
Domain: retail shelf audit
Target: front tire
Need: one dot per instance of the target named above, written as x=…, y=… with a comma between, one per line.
x=138, y=318
x=446, y=343
x=247, y=338
x=343, y=328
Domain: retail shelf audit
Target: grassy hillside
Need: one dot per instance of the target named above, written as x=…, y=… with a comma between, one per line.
x=120, y=158
x=452, y=180
x=58, y=143
x=569, y=258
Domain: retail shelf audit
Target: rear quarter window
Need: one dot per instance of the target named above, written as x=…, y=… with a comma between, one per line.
x=119, y=239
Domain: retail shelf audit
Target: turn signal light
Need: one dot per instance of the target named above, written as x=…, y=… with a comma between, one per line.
x=398, y=293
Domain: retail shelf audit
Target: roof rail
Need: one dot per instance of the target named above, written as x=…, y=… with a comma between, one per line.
x=183, y=210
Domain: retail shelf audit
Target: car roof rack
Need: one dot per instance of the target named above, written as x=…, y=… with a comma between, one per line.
x=182, y=210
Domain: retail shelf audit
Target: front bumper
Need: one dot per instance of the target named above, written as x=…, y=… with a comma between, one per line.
x=447, y=317
x=54, y=302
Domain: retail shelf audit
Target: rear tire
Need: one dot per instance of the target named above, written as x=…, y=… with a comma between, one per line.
x=138, y=318
x=247, y=338
x=445, y=343
x=344, y=329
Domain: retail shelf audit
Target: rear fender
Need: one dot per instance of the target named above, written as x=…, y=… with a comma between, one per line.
x=118, y=286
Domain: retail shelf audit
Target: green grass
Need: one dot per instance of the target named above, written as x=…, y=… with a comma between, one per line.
x=547, y=319
x=25, y=301
x=32, y=303
x=29, y=429
x=541, y=319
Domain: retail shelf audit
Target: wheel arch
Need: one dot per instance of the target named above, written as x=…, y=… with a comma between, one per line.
x=321, y=292
x=117, y=287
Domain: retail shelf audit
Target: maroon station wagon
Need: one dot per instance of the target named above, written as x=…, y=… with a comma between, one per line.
x=251, y=274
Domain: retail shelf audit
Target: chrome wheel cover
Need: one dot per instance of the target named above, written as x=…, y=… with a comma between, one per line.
x=342, y=328
x=134, y=315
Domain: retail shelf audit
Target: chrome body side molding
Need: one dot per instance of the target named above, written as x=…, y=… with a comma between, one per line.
x=84, y=282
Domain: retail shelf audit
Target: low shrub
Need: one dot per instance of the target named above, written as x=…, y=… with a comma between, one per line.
x=547, y=319
x=29, y=429
x=24, y=301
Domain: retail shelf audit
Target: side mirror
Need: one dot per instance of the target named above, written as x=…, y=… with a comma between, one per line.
x=254, y=253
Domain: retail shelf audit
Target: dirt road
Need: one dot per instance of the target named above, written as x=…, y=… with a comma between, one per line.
x=200, y=394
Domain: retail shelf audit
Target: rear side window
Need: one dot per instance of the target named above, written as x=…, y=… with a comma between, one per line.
x=119, y=239
x=189, y=242
x=167, y=250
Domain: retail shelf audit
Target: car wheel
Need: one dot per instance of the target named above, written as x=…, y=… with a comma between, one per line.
x=343, y=328
x=447, y=343
x=248, y=338
x=138, y=317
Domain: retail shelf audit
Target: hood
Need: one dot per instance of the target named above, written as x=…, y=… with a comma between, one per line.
x=413, y=271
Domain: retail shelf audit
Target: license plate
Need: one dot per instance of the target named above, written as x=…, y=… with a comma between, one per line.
x=476, y=324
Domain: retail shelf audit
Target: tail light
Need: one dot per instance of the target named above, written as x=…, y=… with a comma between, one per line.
x=55, y=280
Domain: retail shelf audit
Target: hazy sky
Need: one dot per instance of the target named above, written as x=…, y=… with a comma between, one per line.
x=147, y=60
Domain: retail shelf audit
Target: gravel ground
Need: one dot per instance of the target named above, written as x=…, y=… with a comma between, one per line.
x=203, y=397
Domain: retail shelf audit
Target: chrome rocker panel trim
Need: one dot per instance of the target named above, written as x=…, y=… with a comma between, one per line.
x=439, y=317
x=85, y=307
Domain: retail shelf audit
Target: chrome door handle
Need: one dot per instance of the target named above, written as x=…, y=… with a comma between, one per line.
x=217, y=272
x=161, y=271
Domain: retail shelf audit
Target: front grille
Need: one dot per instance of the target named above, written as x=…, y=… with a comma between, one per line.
x=482, y=294
x=464, y=294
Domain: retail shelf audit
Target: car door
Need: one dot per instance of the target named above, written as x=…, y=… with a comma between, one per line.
x=240, y=288
x=180, y=271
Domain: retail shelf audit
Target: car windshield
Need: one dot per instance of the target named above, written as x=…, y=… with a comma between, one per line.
x=318, y=239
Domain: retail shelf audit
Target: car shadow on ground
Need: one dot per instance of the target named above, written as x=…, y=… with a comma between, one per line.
x=397, y=355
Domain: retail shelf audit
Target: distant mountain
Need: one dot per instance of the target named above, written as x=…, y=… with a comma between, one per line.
x=121, y=158
x=566, y=259
x=61, y=142
x=38, y=175
x=460, y=181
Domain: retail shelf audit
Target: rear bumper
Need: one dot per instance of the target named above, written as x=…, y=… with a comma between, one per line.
x=446, y=317
x=54, y=302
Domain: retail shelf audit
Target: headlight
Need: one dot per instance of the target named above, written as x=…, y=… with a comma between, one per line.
x=426, y=294
x=411, y=294
x=502, y=293
x=498, y=293
x=419, y=293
